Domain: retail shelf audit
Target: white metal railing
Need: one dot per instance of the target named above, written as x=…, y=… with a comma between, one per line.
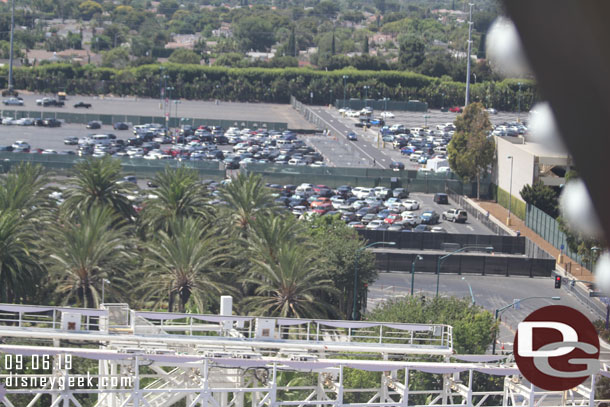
x=118, y=318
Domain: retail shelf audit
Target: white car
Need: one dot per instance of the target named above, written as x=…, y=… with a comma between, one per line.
x=381, y=192
x=8, y=121
x=410, y=205
x=491, y=110
x=21, y=144
x=387, y=115
x=361, y=193
x=353, y=113
x=409, y=218
x=375, y=224
x=25, y=121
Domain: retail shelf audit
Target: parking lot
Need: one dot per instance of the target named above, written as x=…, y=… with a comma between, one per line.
x=369, y=148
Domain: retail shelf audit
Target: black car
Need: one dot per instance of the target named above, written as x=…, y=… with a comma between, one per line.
x=396, y=165
x=151, y=184
x=351, y=136
x=120, y=126
x=94, y=125
x=6, y=148
x=134, y=141
x=51, y=122
x=82, y=104
x=221, y=139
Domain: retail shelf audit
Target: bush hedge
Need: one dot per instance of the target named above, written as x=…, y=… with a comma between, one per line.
x=274, y=85
x=517, y=206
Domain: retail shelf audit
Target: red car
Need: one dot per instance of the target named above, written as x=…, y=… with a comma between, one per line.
x=455, y=109
x=393, y=218
x=321, y=201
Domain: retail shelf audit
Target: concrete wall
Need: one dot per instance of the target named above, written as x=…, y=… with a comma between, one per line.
x=524, y=166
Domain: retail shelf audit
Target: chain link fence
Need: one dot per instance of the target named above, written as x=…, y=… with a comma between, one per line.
x=110, y=119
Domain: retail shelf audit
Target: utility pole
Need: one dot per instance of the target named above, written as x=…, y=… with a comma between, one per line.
x=468, y=57
x=10, y=63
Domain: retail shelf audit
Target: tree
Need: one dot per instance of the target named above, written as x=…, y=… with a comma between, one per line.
x=89, y=8
x=92, y=246
x=186, y=264
x=246, y=198
x=179, y=195
x=332, y=44
x=184, y=56
x=291, y=48
x=168, y=8
x=411, y=51
x=470, y=151
x=96, y=183
x=20, y=263
x=292, y=286
x=116, y=58
x=365, y=45
x=254, y=33
x=339, y=245
x=542, y=197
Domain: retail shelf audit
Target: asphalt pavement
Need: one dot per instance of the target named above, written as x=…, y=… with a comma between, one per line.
x=184, y=108
x=490, y=292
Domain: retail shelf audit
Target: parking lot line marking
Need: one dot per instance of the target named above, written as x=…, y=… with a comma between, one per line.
x=470, y=228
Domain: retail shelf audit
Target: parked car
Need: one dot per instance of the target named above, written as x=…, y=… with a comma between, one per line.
x=94, y=125
x=120, y=126
x=387, y=115
x=71, y=141
x=455, y=215
x=13, y=102
x=82, y=104
x=50, y=122
x=410, y=205
x=441, y=199
x=455, y=109
x=429, y=217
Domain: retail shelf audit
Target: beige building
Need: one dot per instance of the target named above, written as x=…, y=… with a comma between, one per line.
x=530, y=162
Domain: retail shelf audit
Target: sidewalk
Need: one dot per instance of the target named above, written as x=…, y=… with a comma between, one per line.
x=500, y=213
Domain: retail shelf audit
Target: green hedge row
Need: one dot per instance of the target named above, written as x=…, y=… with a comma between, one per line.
x=273, y=85
x=517, y=207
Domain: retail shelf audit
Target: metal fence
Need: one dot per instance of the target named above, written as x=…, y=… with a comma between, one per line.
x=437, y=241
x=457, y=197
x=548, y=228
x=466, y=264
x=139, y=167
x=382, y=105
x=109, y=119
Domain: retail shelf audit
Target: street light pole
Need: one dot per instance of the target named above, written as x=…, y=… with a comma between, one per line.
x=440, y=260
x=366, y=92
x=344, y=100
x=510, y=189
x=10, y=62
x=418, y=257
x=469, y=288
x=512, y=304
x=468, y=59
x=354, y=309
x=519, y=104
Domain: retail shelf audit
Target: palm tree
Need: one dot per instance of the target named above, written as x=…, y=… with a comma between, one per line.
x=25, y=189
x=179, y=195
x=85, y=251
x=290, y=287
x=185, y=264
x=246, y=198
x=270, y=232
x=20, y=266
x=97, y=183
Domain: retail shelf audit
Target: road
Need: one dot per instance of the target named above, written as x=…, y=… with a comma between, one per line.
x=490, y=292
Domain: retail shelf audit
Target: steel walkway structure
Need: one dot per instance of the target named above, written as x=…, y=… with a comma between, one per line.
x=157, y=359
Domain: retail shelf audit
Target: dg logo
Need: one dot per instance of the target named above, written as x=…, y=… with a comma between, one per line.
x=556, y=348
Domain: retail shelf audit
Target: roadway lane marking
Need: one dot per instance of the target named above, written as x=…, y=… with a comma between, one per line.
x=345, y=137
x=470, y=228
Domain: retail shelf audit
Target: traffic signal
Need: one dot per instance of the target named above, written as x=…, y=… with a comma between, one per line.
x=557, y=281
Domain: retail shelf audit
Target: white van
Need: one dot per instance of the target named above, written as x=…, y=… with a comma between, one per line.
x=304, y=191
x=101, y=139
